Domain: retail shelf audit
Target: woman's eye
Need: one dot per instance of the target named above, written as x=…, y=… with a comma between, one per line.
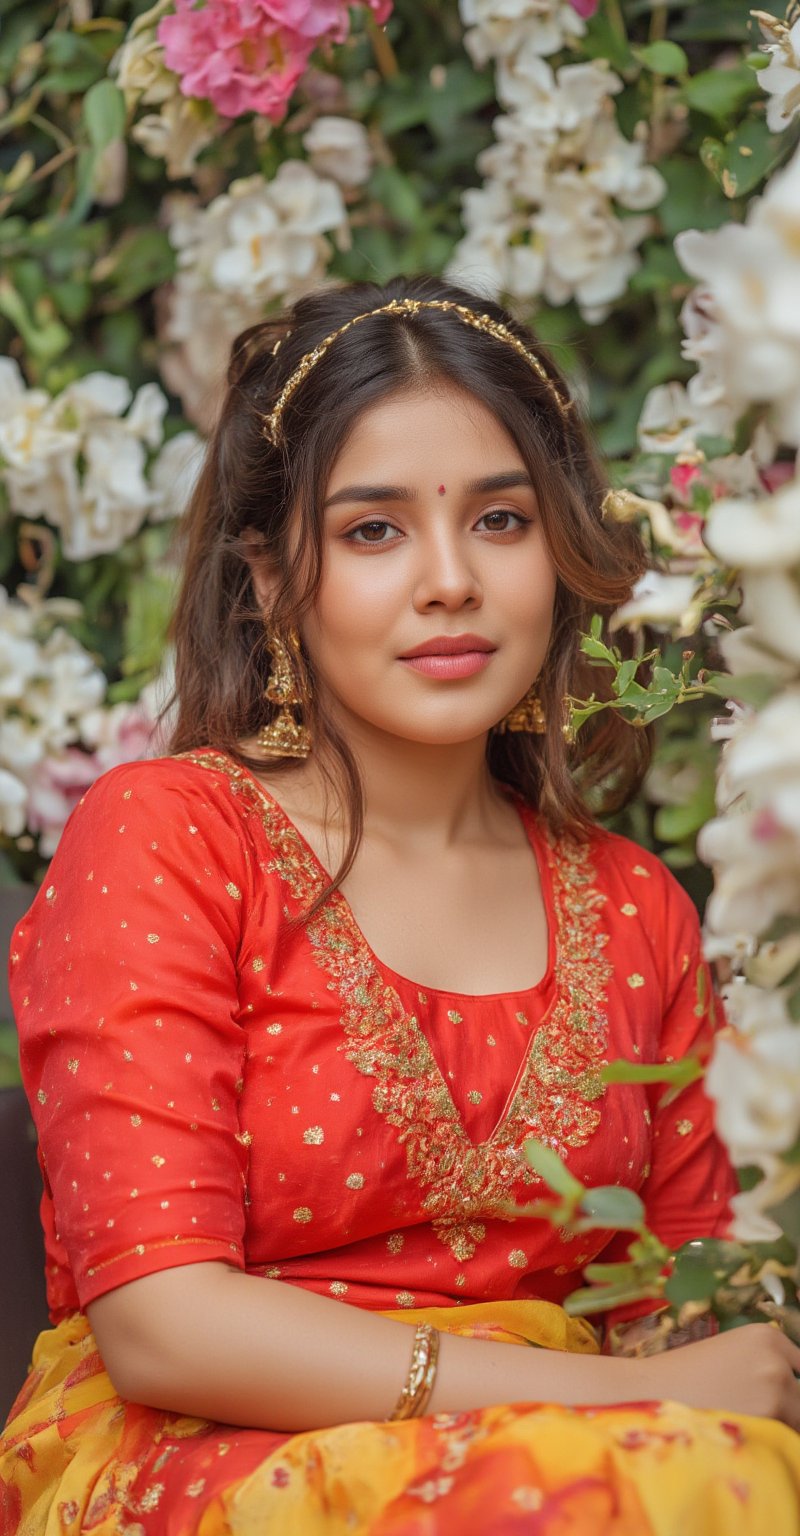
x=372, y=532
x=498, y=520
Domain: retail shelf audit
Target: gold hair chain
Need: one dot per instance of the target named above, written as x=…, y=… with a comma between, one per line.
x=271, y=423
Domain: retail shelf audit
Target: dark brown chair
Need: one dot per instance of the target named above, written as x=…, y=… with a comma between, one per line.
x=23, y=1311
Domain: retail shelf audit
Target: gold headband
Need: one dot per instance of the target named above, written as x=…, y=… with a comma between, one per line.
x=271, y=423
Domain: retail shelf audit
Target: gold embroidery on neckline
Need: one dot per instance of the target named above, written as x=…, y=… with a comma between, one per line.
x=556, y=1096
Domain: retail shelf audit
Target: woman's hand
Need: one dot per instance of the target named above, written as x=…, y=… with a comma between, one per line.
x=746, y=1370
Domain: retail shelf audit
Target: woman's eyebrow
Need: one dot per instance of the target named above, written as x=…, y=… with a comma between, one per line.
x=372, y=493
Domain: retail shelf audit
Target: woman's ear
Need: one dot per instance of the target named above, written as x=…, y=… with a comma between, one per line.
x=262, y=568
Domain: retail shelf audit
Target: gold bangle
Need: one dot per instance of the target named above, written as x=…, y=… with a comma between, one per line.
x=413, y=1399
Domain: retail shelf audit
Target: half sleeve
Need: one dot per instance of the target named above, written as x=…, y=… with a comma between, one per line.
x=691, y=1181
x=124, y=984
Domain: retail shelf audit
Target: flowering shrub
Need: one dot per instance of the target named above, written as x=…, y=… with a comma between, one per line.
x=628, y=179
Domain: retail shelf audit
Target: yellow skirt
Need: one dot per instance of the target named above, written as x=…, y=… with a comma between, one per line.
x=75, y=1460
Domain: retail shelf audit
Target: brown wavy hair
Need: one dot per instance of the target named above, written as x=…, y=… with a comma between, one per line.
x=249, y=489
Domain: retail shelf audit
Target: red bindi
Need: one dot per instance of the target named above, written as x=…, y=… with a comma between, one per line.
x=441, y=490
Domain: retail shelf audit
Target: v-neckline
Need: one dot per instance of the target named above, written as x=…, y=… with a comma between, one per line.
x=557, y=1083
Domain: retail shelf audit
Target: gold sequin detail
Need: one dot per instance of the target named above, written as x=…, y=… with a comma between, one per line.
x=233, y=890
x=521, y=1018
x=454, y=1016
x=258, y=964
x=639, y=869
x=301, y=1214
x=405, y=1299
x=683, y=1127
x=159, y=1161
x=152, y=938
x=396, y=1242
x=136, y=1121
x=629, y=910
x=517, y=1258
x=274, y=1029
x=558, y=1093
x=338, y=1287
x=635, y=981
x=474, y=1096
x=314, y=1136
x=73, y=1064
x=355, y=1181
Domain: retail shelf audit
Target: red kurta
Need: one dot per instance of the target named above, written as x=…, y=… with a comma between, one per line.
x=211, y=1083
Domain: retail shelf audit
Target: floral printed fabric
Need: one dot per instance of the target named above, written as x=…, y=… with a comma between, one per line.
x=644, y=1469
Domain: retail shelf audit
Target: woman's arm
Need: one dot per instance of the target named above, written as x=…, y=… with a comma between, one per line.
x=205, y=1339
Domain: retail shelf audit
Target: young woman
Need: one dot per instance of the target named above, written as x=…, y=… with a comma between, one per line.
x=293, y=997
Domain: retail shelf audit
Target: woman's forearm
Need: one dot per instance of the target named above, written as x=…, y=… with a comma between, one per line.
x=206, y=1340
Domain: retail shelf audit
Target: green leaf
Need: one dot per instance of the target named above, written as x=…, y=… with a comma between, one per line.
x=592, y=647
x=625, y=675
x=141, y=261
x=547, y=1163
x=679, y=1073
x=697, y=1273
x=745, y=158
x=693, y=199
x=720, y=93
x=755, y=688
x=605, y=39
x=663, y=58
x=104, y=114
x=612, y=1206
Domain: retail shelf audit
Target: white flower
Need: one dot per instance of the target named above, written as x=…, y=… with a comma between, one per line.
x=754, y=1081
x=772, y=604
x=781, y=78
x=339, y=147
x=257, y=245
x=669, y=421
x=661, y=599
x=499, y=27
x=13, y=802
x=77, y=459
x=48, y=683
x=544, y=220
x=743, y=323
x=182, y=126
x=756, y=863
x=758, y=535
x=177, y=134
x=174, y=475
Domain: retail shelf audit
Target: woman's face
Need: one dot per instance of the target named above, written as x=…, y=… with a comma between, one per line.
x=431, y=534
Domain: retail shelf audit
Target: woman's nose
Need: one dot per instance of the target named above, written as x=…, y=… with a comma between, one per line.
x=447, y=574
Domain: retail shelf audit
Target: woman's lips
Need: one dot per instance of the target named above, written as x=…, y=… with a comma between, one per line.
x=462, y=664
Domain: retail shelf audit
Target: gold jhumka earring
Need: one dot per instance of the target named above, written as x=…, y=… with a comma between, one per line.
x=527, y=715
x=285, y=735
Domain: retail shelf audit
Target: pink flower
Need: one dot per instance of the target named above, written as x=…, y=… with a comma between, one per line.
x=690, y=525
x=681, y=477
x=585, y=8
x=773, y=476
x=56, y=787
x=248, y=55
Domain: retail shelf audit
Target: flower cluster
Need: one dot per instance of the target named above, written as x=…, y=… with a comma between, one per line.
x=742, y=334
x=743, y=320
x=248, y=55
x=781, y=78
x=178, y=127
x=78, y=461
x=501, y=28
x=544, y=220
x=260, y=244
